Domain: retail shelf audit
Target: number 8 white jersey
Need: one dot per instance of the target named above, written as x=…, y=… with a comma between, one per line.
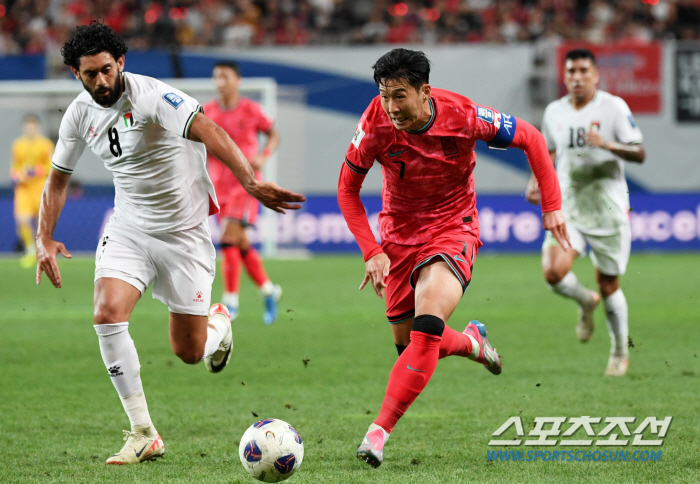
x=595, y=197
x=160, y=177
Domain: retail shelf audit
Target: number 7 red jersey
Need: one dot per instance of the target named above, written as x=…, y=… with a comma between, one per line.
x=428, y=174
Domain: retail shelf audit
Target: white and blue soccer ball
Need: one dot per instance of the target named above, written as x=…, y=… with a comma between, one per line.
x=271, y=450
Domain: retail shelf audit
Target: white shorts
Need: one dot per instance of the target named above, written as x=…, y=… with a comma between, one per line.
x=181, y=265
x=609, y=253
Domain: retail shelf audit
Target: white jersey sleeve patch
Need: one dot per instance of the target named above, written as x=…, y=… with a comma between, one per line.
x=174, y=110
x=173, y=99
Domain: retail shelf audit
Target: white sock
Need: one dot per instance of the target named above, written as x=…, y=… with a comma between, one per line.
x=215, y=334
x=267, y=288
x=570, y=287
x=616, y=312
x=122, y=362
x=374, y=426
x=230, y=299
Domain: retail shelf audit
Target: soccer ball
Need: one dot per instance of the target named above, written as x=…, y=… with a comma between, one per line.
x=271, y=450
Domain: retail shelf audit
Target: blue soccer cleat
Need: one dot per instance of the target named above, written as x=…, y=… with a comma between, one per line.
x=233, y=311
x=270, y=301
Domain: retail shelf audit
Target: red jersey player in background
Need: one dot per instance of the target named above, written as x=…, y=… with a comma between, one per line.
x=242, y=119
x=424, y=139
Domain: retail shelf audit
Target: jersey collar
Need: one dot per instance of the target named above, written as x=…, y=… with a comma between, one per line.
x=431, y=121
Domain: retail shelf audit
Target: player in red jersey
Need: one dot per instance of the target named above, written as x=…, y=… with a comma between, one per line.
x=242, y=119
x=424, y=139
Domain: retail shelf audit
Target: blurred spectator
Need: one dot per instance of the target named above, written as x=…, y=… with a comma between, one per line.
x=375, y=30
x=401, y=31
x=239, y=33
x=35, y=26
x=290, y=33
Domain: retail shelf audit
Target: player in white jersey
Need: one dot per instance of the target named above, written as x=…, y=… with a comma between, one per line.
x=153, y=138
x=590, y=134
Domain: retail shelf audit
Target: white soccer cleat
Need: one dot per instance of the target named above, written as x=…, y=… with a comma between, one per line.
x=218, y=361
x=139, y=447
x=617, y=365
x=584, y=328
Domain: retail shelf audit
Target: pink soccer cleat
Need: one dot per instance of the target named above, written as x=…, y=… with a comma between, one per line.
x=484, y=353
x=371, y=450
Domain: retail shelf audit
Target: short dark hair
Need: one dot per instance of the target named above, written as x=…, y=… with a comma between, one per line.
x=411, y=65
x=576, y=54
x=89, y=40
x=230, y=64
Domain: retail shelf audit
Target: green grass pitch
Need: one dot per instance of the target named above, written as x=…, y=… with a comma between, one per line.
x=60, y=417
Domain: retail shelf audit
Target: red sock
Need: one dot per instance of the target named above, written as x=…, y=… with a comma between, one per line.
x=406, y=384
x=231, y=268
x=454, y=343
x=254, y=266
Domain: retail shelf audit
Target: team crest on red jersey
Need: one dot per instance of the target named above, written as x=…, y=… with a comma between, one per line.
x=449, y=145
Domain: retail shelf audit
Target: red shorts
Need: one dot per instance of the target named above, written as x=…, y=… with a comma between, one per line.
x=456, y=247
x=235, y=203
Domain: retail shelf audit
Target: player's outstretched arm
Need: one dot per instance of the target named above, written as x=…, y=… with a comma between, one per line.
x=52, y=200
x=219, y=144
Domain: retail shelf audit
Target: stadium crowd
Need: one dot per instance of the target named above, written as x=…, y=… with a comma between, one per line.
x=35, y=26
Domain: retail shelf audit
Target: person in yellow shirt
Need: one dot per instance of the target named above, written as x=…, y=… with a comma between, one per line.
x=31, y=161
